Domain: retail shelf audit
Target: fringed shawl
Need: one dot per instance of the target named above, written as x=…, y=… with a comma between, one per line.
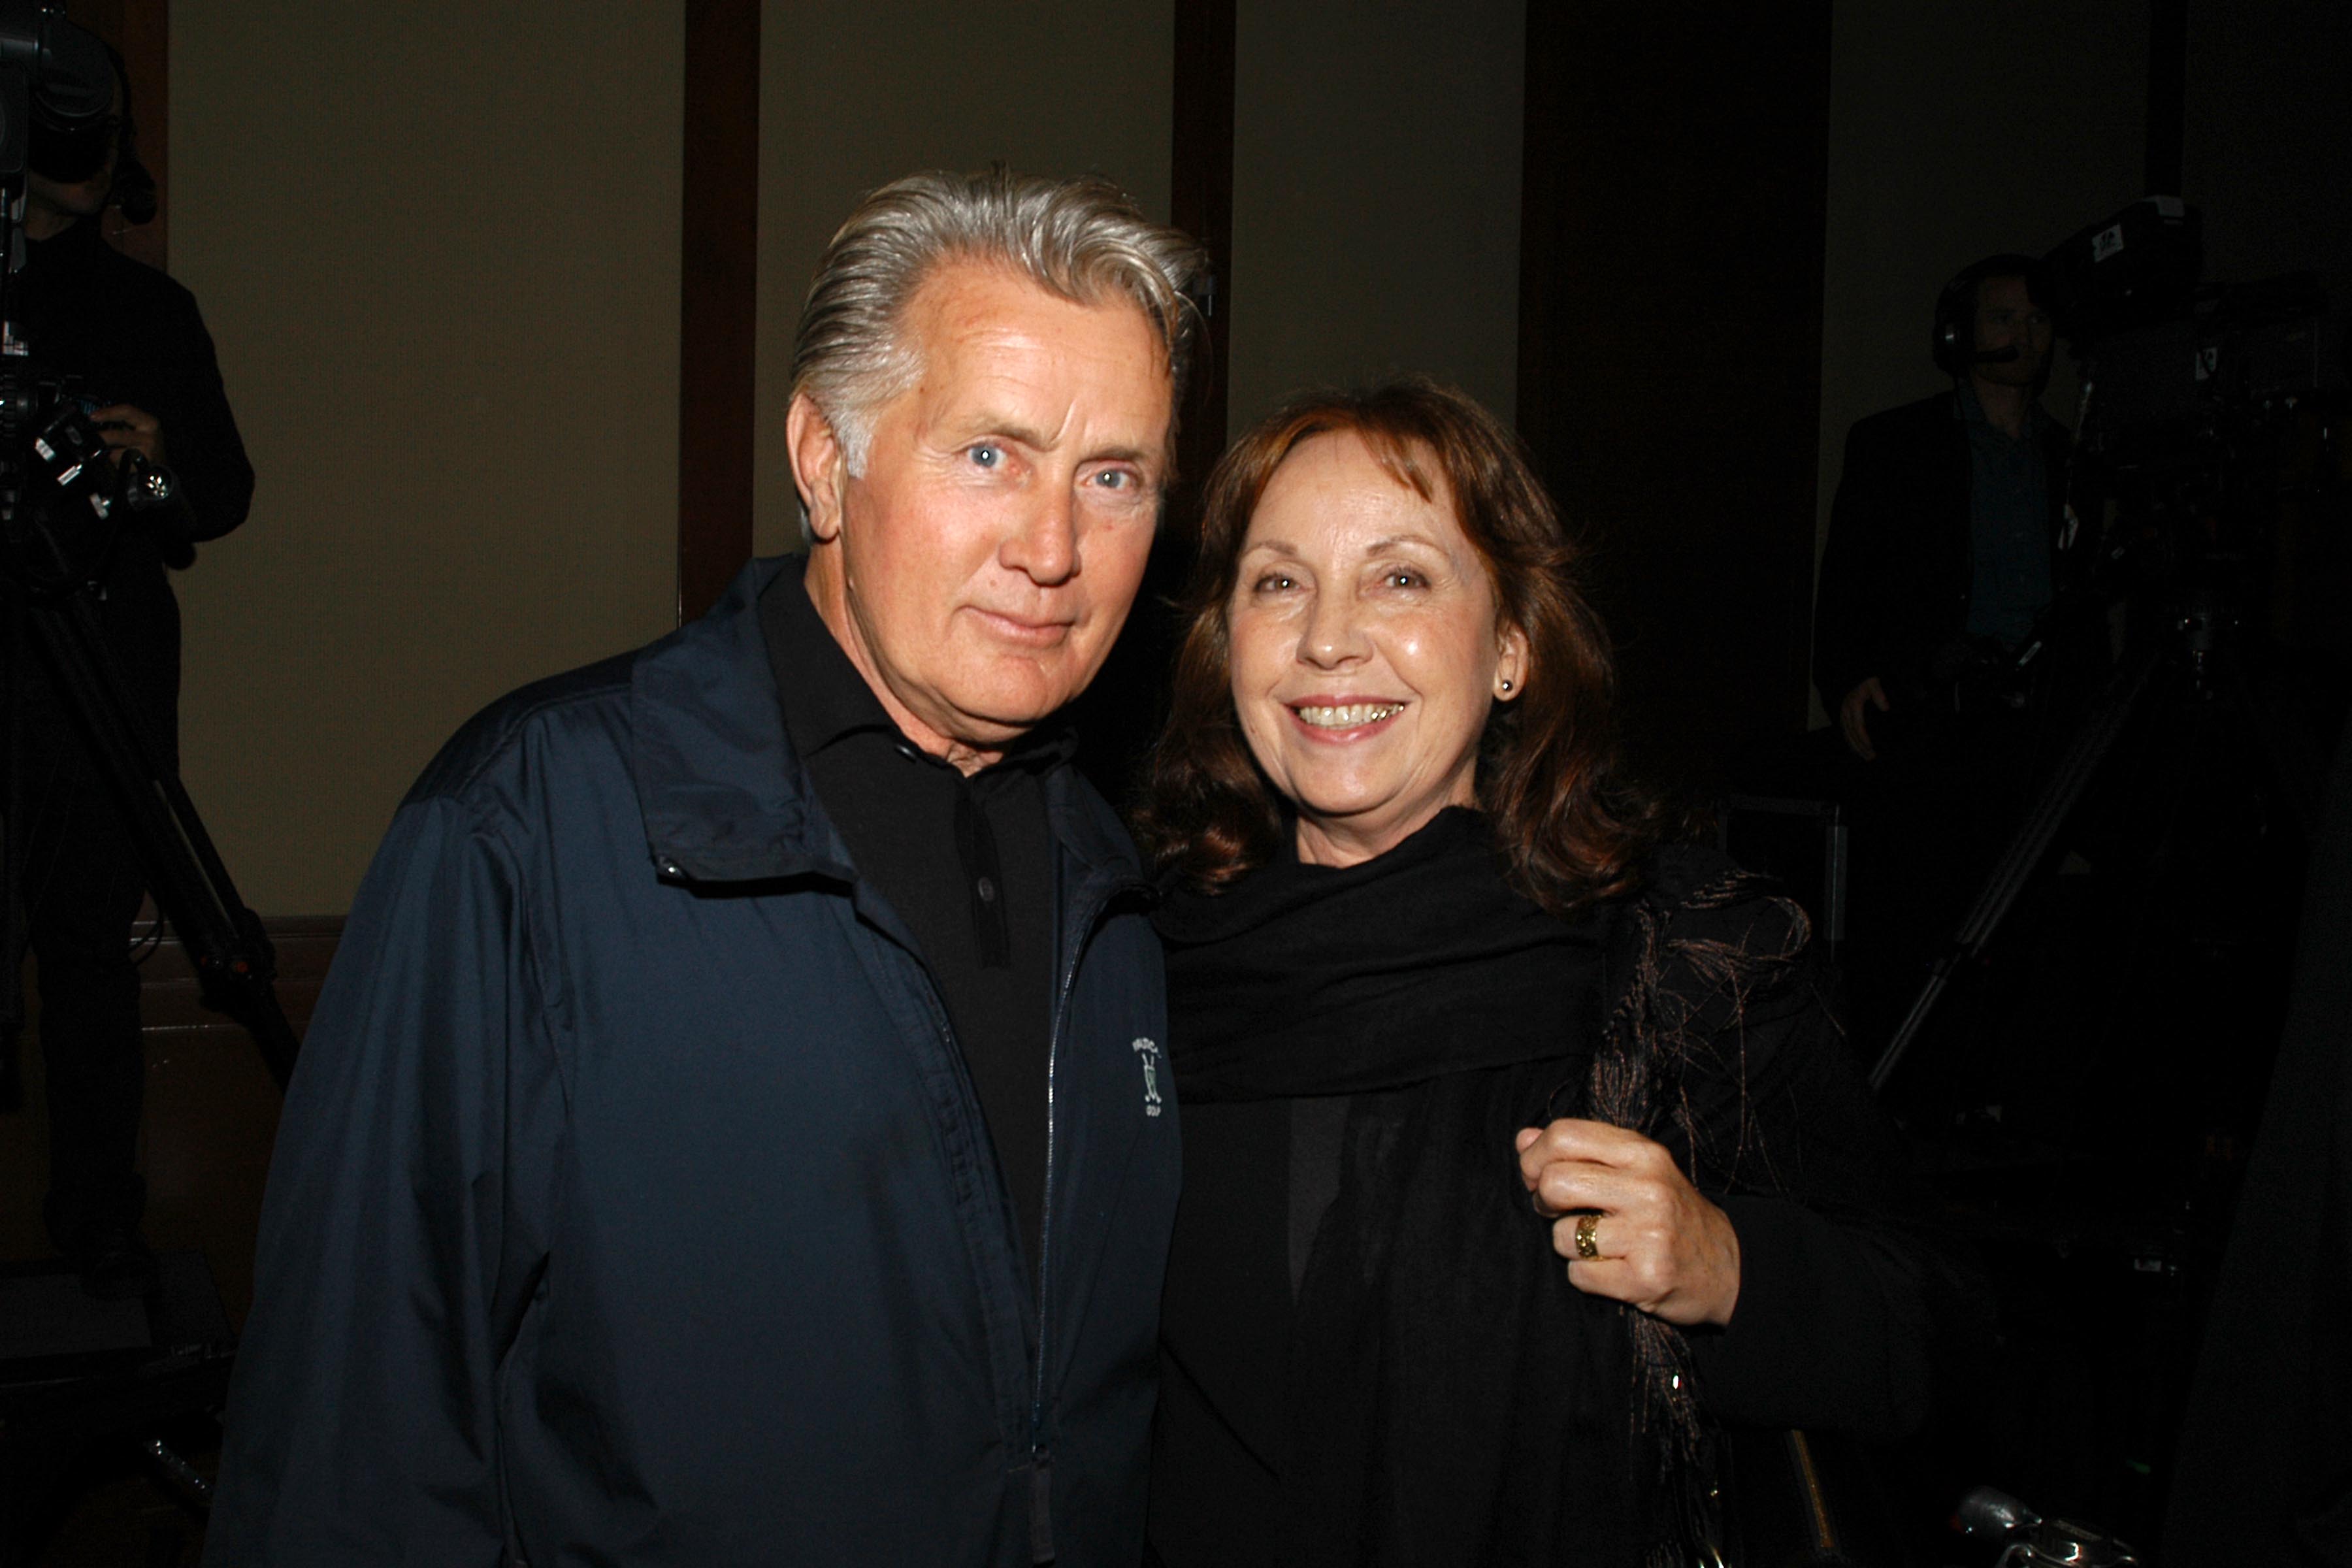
x=1454, y=1399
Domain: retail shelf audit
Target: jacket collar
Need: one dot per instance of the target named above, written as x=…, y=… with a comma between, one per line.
x=724, y=796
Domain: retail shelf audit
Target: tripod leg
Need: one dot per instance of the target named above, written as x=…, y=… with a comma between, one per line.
x=232, y=956
x=2034, y=836
x=12, y=849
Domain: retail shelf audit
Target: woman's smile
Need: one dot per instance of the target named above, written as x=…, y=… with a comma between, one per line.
x=1367, y=649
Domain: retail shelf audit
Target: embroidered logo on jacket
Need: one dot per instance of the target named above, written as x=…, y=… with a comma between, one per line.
x=1151, y=1055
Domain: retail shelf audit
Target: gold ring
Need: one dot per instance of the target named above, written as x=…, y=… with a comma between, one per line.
x=1587, y=1248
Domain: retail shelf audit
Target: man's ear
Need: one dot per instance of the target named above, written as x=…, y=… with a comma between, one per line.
x=820, y=468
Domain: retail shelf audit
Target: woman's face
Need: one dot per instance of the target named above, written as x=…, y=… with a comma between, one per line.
x=1367, y=650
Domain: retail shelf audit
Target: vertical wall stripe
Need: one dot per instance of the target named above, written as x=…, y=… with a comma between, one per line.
x=718, y=237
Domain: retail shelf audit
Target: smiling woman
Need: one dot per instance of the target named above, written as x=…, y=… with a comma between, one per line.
x=1519, y=1153
x=1442, y=561
x=1368, y=649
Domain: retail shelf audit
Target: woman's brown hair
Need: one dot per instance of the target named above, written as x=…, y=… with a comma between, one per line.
x=1571, y=827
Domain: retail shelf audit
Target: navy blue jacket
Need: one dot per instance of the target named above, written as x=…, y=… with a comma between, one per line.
x=632, y=1205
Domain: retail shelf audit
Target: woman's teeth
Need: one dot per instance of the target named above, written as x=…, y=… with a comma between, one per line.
x=1349, y=715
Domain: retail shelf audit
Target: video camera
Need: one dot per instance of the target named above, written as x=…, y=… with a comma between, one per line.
x=59, y=119
x=2175, y=364
x=57, y=95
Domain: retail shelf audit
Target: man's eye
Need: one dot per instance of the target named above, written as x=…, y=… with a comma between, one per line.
x=986, y=453
x=1115, y=479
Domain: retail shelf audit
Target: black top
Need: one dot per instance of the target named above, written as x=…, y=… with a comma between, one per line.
x=1370, y=1353
x=1259, y=1177
x=128, y=333
x=964, y=862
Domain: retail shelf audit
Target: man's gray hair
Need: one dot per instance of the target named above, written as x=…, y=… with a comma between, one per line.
x=1085, y=240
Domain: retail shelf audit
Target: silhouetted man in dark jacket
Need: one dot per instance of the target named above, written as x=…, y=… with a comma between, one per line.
x=132, y=340
x=1934, y=647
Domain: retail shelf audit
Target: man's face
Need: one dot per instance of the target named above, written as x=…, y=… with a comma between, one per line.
x=980, y=568
x=2007, y=318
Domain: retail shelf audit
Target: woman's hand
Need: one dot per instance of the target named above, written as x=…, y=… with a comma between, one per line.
x=1662, y=1247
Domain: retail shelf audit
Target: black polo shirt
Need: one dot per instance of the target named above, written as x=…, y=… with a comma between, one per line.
x=965, y=862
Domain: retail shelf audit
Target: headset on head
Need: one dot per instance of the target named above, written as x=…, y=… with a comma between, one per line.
x=1954, y=341
x=72, y=147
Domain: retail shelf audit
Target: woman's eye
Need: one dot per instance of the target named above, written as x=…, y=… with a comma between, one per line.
x=1274, y=583
x=1397, y=577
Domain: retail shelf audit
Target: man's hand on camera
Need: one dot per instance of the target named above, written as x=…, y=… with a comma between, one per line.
x=1851, y=714
x=129, y=429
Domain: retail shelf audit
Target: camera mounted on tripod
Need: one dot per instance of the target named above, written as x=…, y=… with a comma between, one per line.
x=66, y=496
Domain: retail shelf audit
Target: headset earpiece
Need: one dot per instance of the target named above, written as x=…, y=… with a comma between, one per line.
x=1953, y=342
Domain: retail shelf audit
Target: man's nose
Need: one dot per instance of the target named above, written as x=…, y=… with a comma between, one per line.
x=1043, y=547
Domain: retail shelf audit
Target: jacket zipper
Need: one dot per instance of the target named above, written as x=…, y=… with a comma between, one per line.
x=1041, y=1461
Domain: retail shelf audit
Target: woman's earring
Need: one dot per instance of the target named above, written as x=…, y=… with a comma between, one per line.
x=1507, y=685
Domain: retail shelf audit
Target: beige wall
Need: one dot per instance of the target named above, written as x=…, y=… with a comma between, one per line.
x=437, y=246
x=856, y=92
x=1376, y=195
x=1959, y=128
x=444, y=281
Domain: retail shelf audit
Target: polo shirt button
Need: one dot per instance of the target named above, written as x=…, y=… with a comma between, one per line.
x=986, y=887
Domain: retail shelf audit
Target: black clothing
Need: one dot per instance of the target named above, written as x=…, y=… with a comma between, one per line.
x=83, y=883
x=2263, y=1472
x=1899, y=565
x=631, y=1204
x=1429, y=1387
x=1294, y=984
x=128, y=334
x=133, y=335
x=2009, y=502
x=965, y=862
x=1956, y=763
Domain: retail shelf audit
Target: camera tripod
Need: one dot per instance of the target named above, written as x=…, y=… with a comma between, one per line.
x=2188, y=665
x=231, y=954
x=59, y=481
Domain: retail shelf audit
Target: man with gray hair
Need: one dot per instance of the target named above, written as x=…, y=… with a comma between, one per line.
x=733, y=1129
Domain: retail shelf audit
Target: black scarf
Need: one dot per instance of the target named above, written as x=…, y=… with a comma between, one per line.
x=1453, y=1011
x=1313, y=980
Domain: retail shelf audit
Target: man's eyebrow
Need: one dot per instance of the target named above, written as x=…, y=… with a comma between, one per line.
x=1012, y=429
x=1142, y=456
x=986, y=424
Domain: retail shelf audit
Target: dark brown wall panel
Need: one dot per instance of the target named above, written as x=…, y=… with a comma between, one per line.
x=718, y=298
x=141, y=30
x=1120, y=715
x=1670, y=347
x=1201, y=203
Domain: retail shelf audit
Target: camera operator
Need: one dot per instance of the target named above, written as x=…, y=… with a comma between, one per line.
x=133, y=341
x=1936, y=647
